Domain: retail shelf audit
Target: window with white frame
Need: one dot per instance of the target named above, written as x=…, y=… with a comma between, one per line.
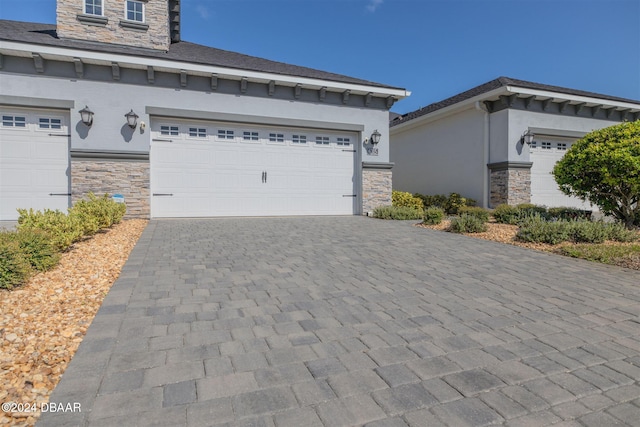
x=343, y=142
x=562, y=146
x=49, y=123
x=546, y=145
x=169, y=130
x=9, y=121
x=250, y=136
x=225, y=134
x=135, y=11
x=276, y=137
x=299, y=139
x=534, y=144
x=197, y=132
x=93, y=7
x=322, y=140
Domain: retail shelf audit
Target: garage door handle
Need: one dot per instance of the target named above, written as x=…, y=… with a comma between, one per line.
x=163, y=194
x=59, y=194
x=265, y=177
x=349, y=195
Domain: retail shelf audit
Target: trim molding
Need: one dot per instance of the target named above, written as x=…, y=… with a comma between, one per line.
x=243, y=118
x=92, y=19
x=499, y=166
x=24, y=101
x=377, y=165
x=109, y=155
x=557, y=132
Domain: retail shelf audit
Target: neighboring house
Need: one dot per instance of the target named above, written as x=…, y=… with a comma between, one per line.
x=208, y=132
x=473, y=144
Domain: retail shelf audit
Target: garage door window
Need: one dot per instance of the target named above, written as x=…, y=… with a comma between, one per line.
x=299, y=139
x=14, y=121
x=169, y=130
x=562, y=146
x=276, y=137
x=322, y=140
x=546, y=145
x=250, y=136
x=197, y=132
x=225, y=134
x=343, y=142
x=49, y=123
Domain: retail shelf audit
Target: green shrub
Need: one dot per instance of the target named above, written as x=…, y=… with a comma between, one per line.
x=454, y=202
x=618, y=232
x=568, y=213
x=36, y=245
x=506, y=214
x=401, y=199
x=476, y=211
x=14, y=266
x=528, y=210
x=588, y=232
x=433, y=215
x=438, y=200
x=395, y=212
x=536, y=229
x=466, y=223
x=63, y=229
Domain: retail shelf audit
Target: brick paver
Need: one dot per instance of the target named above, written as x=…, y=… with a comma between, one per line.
x=354, y=321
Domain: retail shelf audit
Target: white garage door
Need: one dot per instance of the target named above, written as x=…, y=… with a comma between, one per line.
x=545, y=153
x=34, y=160
x=215, y=169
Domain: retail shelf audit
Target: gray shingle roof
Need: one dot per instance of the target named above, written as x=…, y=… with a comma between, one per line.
x=495, y=84
x=45, y=34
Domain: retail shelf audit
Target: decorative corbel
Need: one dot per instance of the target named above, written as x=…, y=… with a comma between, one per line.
x=272, y=88
x=367, y=99
x=214, y=82
x=151, y=75
x=183, y=78
x=322, y=93
x=115, y=71
x=38, y=63
x=345, y=96
x=297, y=91
x=243, y=85
x=77, y=62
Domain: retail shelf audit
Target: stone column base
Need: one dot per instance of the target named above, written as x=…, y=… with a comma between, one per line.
x=510, y=183
x=113, y=176
x=376, y=185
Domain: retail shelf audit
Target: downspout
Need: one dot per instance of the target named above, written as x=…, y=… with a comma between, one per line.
x=485, y=174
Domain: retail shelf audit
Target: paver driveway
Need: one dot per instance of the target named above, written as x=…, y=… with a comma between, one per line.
x=352, y=321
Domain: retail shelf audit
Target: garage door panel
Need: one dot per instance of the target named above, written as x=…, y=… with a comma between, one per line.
x=33, y=163
x=225, y=175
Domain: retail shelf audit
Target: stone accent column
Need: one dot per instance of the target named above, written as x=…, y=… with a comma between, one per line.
x=129, y=177
x=376, y=185
x=510, y=183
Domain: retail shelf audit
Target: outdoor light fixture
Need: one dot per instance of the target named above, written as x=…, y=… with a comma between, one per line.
x=527, y=137
x=132, y=119
x=86, y=115
x=375, y=137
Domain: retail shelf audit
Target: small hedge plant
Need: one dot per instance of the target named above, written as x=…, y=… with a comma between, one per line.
x=514, y=215
x=403, y=199
x=451, y=203
x=480, y=213
x=433, y=215
x=397, y=213
x=41, y=236
x=466, y=223
x=538, y=230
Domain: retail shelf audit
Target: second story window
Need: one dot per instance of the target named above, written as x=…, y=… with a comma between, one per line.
x=135, y=11
x=93, y=7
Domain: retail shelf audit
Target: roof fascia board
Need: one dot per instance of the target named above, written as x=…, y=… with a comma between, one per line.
x=110, y=58
x=570, y=97
x=449, y=110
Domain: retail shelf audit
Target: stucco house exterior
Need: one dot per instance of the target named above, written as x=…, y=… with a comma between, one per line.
x=179, y=129
x=474, y=143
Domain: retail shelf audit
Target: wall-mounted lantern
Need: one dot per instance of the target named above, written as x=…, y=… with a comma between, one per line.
x=86, y=115
x=527, y=137
x=132, y=119
x=375, y=137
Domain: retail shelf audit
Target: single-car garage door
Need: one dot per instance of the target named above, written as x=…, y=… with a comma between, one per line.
x=202, y=169
x=34, y=160
x=544, y=154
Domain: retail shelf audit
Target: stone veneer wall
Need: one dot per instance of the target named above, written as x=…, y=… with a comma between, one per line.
x=73, y=23
x=127, y=177
x=376, y=189
x=510, y=186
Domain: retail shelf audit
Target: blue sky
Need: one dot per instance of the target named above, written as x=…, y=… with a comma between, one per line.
x=434, y=48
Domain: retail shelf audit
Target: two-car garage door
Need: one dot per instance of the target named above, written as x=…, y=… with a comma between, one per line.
x=201, y=169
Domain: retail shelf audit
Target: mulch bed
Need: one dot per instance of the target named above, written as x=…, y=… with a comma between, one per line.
x=43, y=322
x=505, y=233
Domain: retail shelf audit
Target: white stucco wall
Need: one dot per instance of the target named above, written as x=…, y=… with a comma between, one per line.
x=110, y=101
x=441, y=156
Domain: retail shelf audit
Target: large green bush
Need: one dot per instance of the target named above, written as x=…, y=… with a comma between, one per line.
x=477, y=211
x=603, y=167
x=451, y=203
x=433, y=215
x=401, y=199
x=536, y=229
x=506, y=214
x=14, y=265
x=396, y=212
x=36, y=245
x=466, y=223
x=64, y=229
